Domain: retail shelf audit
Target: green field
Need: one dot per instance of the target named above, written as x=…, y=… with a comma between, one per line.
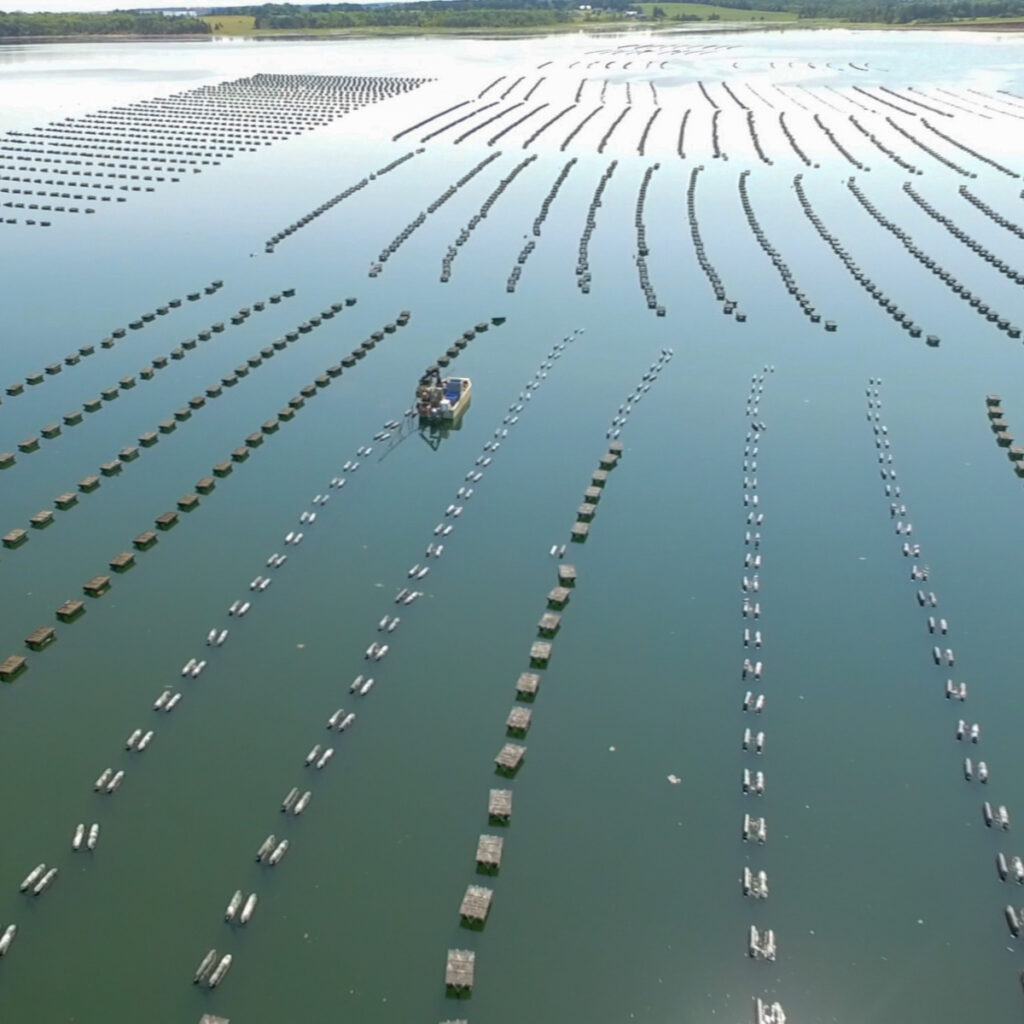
x=708, y=11
x=230, y=24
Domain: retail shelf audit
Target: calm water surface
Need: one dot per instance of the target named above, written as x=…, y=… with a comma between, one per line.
x=619, y=899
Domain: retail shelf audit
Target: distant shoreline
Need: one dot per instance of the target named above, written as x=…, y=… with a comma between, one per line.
x=401, y=31
x=663, y=28
x=102, y=37
x=1014, y=25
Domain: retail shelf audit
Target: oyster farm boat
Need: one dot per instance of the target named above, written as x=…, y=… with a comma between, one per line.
x=442, y=399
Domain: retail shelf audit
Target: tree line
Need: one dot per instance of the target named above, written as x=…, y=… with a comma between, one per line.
x=417, y=14
x=428, y=14
x=890, y=12
x=111, y=23
x=516, y=13
x=400, y=16
x=909, y=11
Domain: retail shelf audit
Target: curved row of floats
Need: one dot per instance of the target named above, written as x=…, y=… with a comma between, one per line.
x=477, y=901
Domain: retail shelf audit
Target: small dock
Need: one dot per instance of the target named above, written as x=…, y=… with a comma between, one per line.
x=458, y=974
x=12, y=667
x=567, y=575
x=488, y=854
x=122, y=562
x=540, y=653
x=510, y=759
x=518, y=722
x=97, y=586
x=145, y=540
x=499, y=806
x=527, y=686
x=40, y=638
x=70, y=610
x=579, y=532
x=558, y=597
x=15, y=538
x=549, y=624
x=475, y=906
x=166, y=520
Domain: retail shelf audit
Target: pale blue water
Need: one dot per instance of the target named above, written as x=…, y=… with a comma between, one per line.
x=619, y=898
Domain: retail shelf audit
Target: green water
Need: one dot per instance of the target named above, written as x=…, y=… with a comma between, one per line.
x=619, y=897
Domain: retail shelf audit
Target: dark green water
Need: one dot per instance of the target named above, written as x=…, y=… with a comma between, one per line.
x=619, y=898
